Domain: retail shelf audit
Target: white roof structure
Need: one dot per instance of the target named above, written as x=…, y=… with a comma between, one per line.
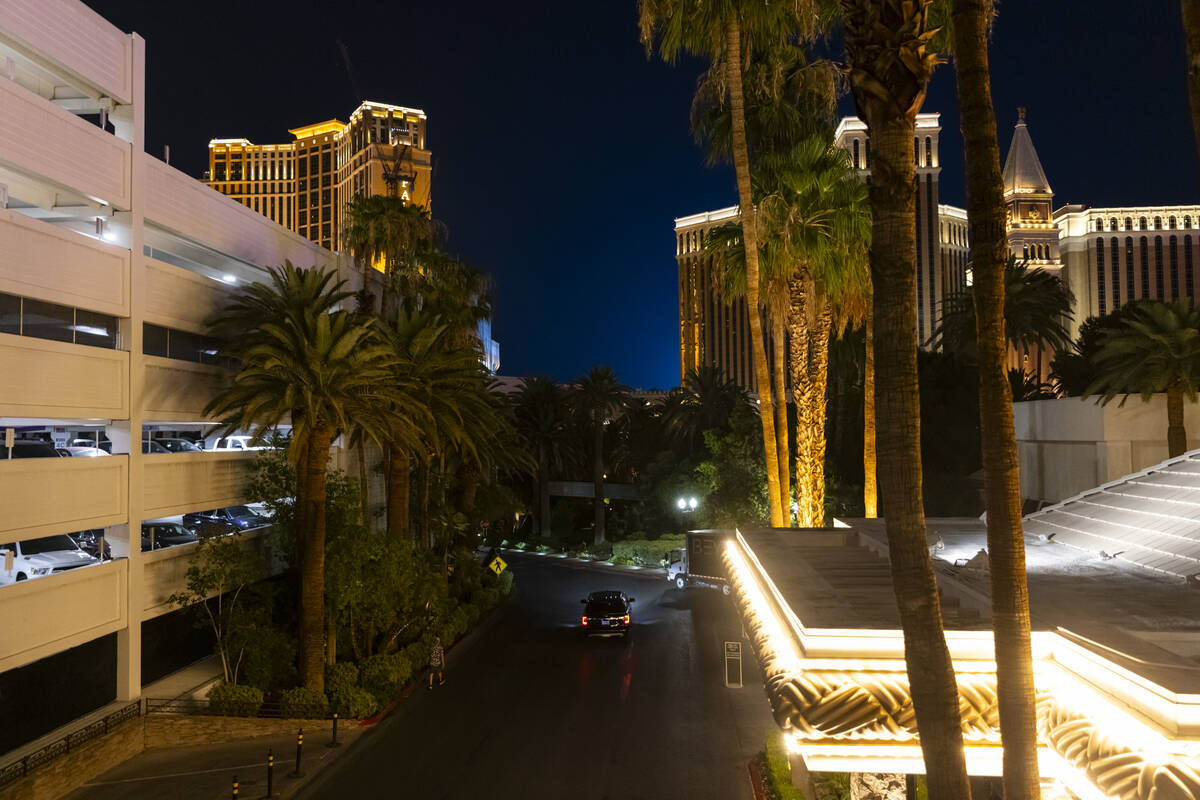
x=1150, y=518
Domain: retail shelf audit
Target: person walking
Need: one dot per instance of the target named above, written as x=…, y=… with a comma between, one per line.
x=437, y=662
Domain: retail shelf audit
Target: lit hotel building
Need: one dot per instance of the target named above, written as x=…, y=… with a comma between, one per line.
x=110, y=263
x=714, y=331
x=305, y=184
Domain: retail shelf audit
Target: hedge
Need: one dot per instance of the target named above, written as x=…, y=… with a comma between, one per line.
x=353, y=703
x=341, y=678
x=646, y=552
x=383, y=675
x=234, y=700
x=304, y=703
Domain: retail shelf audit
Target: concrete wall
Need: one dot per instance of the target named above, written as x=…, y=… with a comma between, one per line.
x=1070, y=445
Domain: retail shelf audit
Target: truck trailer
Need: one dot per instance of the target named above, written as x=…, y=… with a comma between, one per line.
x=699, y=563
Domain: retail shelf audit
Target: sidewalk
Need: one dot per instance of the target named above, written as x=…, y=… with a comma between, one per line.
x=204, y=772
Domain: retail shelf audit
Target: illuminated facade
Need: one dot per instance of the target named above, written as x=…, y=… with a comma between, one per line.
x=305, y=184
x=715, y=331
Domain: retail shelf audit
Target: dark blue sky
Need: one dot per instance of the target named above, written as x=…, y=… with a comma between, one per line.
x=562, y=154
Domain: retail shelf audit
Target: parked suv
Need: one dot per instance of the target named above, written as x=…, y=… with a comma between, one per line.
x=607, y=614
x=30, y=448
x=35, y=558
x=156, y=535
x=235, y=518
x=180, y=445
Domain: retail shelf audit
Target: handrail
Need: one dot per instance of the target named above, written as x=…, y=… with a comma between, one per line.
x=21, y=767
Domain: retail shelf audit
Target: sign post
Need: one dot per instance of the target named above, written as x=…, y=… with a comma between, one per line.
x=733, y=665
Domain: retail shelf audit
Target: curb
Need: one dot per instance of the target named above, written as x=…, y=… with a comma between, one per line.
x=756, y=782
x=655, y=572
x=460, y=645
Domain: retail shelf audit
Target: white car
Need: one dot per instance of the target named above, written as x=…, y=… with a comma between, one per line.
x=85, y=452
x=36, y=558
x=236, y=444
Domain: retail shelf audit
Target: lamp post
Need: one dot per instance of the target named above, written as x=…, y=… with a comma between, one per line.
x=685, y=506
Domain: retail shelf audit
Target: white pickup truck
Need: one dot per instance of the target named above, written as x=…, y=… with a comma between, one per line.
x=35, y=558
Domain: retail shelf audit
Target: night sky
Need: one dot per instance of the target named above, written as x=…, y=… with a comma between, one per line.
x=562, y=155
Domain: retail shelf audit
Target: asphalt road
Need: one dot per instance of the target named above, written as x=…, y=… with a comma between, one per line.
x=534, y=710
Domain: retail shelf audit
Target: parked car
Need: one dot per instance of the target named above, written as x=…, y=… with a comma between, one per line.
x=89, y=542
x=607, y=614
x=151, y=446
x=36, y=558
x=103, y=444
x=165, y=534
x=179, y=445
x=84, y=452
x=236, y=443
x=29, y=448
x=235, y=518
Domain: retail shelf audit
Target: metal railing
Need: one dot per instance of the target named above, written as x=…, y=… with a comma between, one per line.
x=60, y=747
x=226, y=708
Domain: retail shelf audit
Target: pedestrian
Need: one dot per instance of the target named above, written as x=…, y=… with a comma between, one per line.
x=437, y=662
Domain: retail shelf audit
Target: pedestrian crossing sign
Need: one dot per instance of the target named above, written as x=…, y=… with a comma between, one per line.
x=497, y=566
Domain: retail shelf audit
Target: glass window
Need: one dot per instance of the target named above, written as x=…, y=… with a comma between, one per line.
x=219, y=171
x=1129, y=223
x=1112, y=224
x=303, y=217
x=856, y=162
x=1141, y=223
x=154, y=340
x=10, y=313
x=48, y=321
x=1158, y=223
x=1100, y=275
x=235, y=171
x=302, y=171
x=1187, y=221
x=96, y=330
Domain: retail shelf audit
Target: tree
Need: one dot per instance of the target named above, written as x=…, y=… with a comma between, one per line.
x=219, y=570
x=599, y=395
x=719, y=32
x=705, y=402
x=1002, y=315
x=322, y=369
x=889, y=65
x=538, y=408
x=1074, y=368
x=390, y=235
x=1157, y=349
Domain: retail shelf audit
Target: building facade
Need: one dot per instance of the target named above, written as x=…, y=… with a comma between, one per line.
x=110, y=263
x=716, y=331
x=304, y=185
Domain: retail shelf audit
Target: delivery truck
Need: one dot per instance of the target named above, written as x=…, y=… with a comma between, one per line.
x=699, y=563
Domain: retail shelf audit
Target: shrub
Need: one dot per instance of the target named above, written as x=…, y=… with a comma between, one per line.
x=353, y=703
x=269, y=661
x=473, y=612
x=383, y=675
x=646, y=552
x=486, y=599
x=417, y=653
x=304, y=703
x=777, y=772
x=233, y=700
x=340, y=678
x=506, y=583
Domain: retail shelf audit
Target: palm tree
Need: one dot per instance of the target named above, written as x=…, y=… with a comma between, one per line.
x=889, y=66
x=1010, y=305
x=322, y=368
x=1157, y=349
x=814, y=203
x=539, y=407
x=705, y=402
x=718, y=32
x=599, y=394
x=390, y=235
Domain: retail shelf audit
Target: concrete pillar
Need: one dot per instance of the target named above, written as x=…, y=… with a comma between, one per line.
x=877, y=786
x=129, y=639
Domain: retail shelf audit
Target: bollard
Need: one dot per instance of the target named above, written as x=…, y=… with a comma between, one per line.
x=334, y=742
x=235, y=787
x=270, y=773
x=298, y=772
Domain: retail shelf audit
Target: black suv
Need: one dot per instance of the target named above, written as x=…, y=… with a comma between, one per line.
x=29, y=448
x=607, y=614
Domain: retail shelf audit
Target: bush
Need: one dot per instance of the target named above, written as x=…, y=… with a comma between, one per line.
x=417, y=653
x=233, y=700
x=646, y=552
x=777, y=772
x=340, y=678
x=353, y=703
x=304, y=703
x=486, y=599
x=473, y=612
x=506, y=583
x=269, y=660
x=383, y=675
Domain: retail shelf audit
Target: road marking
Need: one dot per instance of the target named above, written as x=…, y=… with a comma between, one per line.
x=278, y=762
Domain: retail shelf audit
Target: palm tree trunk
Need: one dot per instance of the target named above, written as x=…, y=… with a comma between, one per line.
x=897, y=403
x=1191, y=34
x=598, y=478
x=783, y=449
x=364, y=496
x=1176, y=433
x=818, y=378
x=1015, y=689
x=310, y=525
x=798, y=333
x=870, y=494
x=399, y=482
x=543, y=485
x=741, y=163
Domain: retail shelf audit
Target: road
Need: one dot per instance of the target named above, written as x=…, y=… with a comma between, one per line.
x=534, y=710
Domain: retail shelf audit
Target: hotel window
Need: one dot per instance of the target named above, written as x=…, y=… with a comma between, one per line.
x=1188, y=279
x=1158, y=223
x=1100, y=275
x=866, y=153
x=219, y=171
x=928, y=151
x=856, y=164
x=303, y=217
x=1171, y=223
x=235, y=171
x=1187, y=221
x=1141, y=223
x=1128, y=223
x=1158, y=268
x=1099, y=224
x=1129, y=264
x=1173, y=249
x=1112, y=224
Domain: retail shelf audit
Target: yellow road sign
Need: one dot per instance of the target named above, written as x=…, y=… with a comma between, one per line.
x=497, y=566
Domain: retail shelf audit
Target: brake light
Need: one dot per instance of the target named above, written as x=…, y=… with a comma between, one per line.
x=626, y=619
x=585, y=620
